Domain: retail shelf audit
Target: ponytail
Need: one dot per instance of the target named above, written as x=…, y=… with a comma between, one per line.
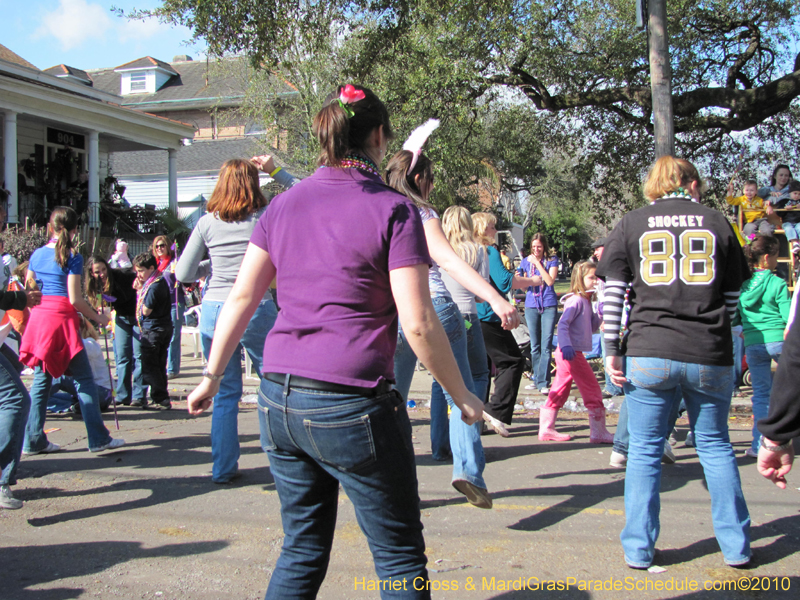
x=398, y=177
x=343, y=129
x=63, y=220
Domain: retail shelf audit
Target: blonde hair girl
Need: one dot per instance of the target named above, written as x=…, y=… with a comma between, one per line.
x=457, y=225
x=501, y=346
x=575, y=328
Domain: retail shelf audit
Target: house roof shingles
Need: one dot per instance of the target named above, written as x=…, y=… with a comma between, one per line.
x=193, y=81
x=12, y=57
x=145, y=63
x=61, y=70
x=199, y=156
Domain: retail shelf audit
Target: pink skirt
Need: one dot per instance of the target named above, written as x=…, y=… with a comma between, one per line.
x=52, y=337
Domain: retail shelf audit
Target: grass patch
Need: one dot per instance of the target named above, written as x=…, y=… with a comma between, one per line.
x=561, y=287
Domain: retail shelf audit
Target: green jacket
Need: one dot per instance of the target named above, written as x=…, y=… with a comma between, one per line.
x=763, y=308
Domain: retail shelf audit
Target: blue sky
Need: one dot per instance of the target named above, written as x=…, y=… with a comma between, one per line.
x=85, y=33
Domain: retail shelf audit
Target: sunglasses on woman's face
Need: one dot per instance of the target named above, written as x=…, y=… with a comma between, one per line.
x=161, y=245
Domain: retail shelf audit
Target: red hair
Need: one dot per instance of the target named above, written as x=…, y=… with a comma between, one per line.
x=237, y=194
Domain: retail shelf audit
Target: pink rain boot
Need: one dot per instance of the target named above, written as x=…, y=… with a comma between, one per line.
x=547, y=421
x=598, y=434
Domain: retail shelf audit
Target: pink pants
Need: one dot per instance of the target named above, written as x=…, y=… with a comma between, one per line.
x=578, y=369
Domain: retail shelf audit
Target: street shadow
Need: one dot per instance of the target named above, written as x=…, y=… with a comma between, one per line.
x=785, y=530
x=496, y=454
x=168, y=453
x=586, y=496
x=160, y=451
x=25, y=567
x=161, y=491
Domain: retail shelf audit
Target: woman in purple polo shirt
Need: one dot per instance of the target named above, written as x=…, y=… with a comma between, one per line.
x=350, y=257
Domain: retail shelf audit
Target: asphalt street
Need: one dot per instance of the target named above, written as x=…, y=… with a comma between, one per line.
x=145, y=521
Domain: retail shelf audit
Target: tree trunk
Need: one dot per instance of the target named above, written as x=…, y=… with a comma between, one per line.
x=661, y=79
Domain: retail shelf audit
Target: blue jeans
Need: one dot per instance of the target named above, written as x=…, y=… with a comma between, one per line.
x=792, y=230
x=611, y=387
x=81, y=371
x=469, y=460
x=225, y=416
x=15, y=403
x=759, y=361
x=128, y=357
x=174, y=353
x=476, y=353
x=738, y=354
x=317, y=441
x=541, y=327
x=622, y=435
x=651, y=398
x=465, y=440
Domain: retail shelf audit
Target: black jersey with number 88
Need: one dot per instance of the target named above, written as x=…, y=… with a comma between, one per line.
x=680, y=258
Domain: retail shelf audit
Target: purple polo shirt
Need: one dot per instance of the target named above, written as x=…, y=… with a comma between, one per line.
x=333, y=238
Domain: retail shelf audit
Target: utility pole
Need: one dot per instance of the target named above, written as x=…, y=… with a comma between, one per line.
x=660, y=77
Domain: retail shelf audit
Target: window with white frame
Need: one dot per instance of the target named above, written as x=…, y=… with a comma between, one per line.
x=138, y=82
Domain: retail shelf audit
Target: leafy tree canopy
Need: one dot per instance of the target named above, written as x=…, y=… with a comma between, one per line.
x=514, y=79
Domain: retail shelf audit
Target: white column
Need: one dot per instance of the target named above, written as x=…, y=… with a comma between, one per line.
x=94, y=179
x=173, y=180
x=10, y=166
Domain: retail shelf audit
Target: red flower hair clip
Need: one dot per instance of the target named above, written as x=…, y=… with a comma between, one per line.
x=349, y=95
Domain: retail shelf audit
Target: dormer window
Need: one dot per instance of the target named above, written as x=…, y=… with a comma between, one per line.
x=144, y=76
x=138, y=82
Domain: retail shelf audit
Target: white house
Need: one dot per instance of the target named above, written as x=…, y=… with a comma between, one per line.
x=43, y=112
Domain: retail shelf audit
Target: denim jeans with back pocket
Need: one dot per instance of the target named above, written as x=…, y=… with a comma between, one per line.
x=317, y=441
x=650, y=396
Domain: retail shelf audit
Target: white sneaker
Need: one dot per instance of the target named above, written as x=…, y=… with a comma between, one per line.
x=7, y=499
x=618, y=460
x=49, y=449
x=113, y=444
x=689, y=443
x=531, y=386
x=668, y=458
x=497, y=426
x=544, y=391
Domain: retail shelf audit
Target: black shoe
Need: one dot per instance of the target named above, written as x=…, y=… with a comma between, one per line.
x=139, y=403
x=164, y=405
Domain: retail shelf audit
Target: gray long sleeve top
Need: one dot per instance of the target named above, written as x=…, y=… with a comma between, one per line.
x=226, y=244
x=464, y=299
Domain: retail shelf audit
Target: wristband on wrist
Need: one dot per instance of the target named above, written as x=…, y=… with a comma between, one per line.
x=209, y=375
x=781, y=448
x=275, y=171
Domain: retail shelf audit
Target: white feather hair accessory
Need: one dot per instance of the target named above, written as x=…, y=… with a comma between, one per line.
x=417, y=140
